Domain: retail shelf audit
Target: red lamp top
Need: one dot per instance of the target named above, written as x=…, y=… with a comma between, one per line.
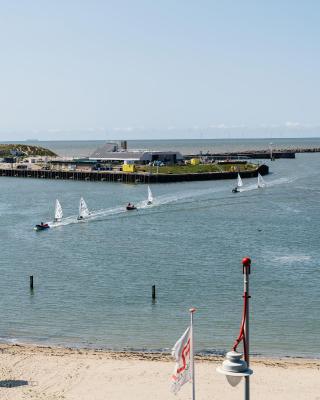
x=246, y=262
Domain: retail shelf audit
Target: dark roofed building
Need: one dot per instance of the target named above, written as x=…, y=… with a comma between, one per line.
x=108, y=153
x=106, y=148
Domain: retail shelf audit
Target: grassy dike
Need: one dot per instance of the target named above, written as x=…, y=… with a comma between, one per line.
x=198, y=169
x=27, y=150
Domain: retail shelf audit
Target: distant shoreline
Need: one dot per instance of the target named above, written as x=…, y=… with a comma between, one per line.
x=103, y=139
x=83, y=147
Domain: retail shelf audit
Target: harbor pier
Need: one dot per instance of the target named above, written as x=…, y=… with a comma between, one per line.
x=245, y=155
x=130, y=177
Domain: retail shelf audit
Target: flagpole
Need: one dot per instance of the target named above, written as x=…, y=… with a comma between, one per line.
x=192, y=310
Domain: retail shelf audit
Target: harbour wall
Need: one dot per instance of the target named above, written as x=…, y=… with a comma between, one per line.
x=110, y=176
x=249, y=155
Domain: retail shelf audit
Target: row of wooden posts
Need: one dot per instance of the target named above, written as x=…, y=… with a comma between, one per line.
x=153, y=291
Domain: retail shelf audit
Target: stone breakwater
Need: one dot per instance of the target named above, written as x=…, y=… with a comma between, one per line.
x=257, y=154
x=244, y=155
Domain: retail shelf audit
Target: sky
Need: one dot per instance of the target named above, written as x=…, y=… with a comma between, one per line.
x=134, y=69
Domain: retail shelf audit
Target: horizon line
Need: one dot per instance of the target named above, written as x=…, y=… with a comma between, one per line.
x=157, y=139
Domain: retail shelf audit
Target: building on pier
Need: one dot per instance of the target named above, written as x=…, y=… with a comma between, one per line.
x=137, y=156
x=112, y=152
x=113, y=156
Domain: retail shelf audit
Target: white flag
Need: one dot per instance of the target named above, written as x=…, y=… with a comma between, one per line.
x=182, y=370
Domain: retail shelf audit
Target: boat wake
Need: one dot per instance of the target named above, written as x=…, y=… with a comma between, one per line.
x=160, y=200
x=275, y=182
x=298, y=258
x=96, y=215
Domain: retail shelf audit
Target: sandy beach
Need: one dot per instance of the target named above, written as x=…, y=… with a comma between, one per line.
x=32, y=372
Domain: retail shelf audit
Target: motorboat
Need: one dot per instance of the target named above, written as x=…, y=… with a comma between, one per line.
x=131, y=207
x=58, y=214
x=41, y=227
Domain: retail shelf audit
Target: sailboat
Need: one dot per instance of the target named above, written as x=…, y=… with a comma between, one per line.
x=83, y=209
x=239, y=184
x=150, y=197
x=261, y=182
x=58, y=214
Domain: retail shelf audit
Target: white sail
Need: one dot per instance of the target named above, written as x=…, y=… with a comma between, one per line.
x=261, y=182
x=239, y=181
x=83, y=209
x=58, y=214
x=150, y=197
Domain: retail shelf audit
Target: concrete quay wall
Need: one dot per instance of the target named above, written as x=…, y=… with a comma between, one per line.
x=110, y=176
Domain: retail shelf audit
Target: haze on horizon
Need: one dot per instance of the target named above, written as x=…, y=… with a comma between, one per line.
x=142, y=69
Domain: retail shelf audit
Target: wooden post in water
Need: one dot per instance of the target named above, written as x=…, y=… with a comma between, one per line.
x=153, y=292
x=31, y=282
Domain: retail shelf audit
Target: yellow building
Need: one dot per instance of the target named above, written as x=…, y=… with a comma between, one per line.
x=128, y=168
x=194, y=161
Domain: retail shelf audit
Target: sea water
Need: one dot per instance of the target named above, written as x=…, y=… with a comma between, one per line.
x=83, y=148
x=93, y=279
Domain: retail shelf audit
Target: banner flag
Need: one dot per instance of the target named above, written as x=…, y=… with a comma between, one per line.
x=181, y=352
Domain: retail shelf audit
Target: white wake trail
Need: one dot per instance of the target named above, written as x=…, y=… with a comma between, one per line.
x=162, y=200
x=275, y=182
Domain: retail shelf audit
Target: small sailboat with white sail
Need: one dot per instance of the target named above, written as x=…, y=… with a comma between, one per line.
x=83, y=210
x=239, y=185
x=261, y=182
x=150, y=196
x=58, y=213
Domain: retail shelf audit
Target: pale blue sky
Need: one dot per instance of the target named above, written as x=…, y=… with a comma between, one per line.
x=95, y=69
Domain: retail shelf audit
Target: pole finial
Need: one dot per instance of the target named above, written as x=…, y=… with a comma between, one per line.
x=246, y=261
x=246, y=265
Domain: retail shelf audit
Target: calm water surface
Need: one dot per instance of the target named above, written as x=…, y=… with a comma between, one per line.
x=93, y=279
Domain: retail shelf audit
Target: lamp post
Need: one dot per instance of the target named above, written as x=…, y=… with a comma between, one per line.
x=246, y=269
x=234, y=367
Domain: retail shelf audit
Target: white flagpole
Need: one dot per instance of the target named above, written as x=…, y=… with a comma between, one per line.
x=192, y=310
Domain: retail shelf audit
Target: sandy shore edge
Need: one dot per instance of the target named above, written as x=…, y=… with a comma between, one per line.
x=37, y=372
x=59, y=351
